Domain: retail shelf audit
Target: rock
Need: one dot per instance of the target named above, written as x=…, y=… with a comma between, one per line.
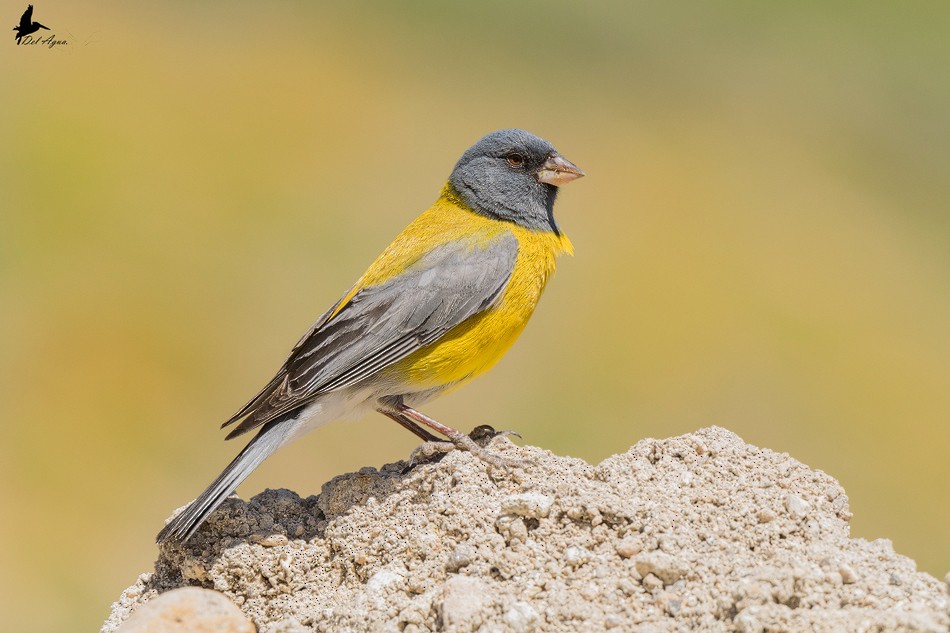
x=382, y=580
x=461, y=556
x=661, y=565
x=269, y=540
x=576, y=556
x=528, y=505
x=796, y=506
x=521, y=618
x=695, y=533
x=629, y=546
x=652, y=583
x=464, y=600
x=188, y=610
x=847, y=574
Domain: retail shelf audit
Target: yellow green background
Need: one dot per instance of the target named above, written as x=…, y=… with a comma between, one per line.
x=763, y=243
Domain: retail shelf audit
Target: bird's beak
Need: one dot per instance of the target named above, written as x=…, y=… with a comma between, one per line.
x=558, y=171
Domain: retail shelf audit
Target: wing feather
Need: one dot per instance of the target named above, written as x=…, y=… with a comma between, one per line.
x=382, y=324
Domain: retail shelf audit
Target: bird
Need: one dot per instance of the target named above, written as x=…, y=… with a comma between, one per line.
x=27, y=25
x=441, y=305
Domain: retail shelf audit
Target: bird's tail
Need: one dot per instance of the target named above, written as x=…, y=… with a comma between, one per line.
x=186, y=522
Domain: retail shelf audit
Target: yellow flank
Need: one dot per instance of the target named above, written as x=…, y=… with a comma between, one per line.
x=475, y=345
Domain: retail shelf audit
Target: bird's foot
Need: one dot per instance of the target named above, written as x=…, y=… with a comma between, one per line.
x=483, y=434
x=475, y=443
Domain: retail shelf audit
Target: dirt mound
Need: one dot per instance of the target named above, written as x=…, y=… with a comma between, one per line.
x=700, y=532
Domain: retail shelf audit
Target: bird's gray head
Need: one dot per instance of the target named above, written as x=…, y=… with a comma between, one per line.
x=513, y=175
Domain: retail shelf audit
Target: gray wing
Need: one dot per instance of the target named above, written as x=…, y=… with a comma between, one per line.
x=383, y=324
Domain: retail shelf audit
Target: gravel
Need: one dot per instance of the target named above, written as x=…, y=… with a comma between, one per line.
x=701, y=532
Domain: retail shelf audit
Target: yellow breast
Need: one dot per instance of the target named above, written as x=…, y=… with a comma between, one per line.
x=477, y=344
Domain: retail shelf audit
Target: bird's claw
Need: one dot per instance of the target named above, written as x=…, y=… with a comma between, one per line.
x=483, y=434
x=475, y=443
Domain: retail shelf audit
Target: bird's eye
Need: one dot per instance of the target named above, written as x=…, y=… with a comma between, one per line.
x=515, y=159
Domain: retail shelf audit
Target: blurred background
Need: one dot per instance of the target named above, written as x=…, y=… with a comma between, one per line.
x=762, y=242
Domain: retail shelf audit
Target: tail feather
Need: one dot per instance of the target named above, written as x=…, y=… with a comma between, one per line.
x=185, y=523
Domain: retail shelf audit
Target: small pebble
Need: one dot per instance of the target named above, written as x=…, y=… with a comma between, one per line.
x=463, y=598
x=747, y=622
x=588, y=591
x=529, y=505
x=669, y=602
x=848, y=576
x=460, y=557
x=662, y=565
x=629, y=546
x=200, y=610
x=269, y=540
x=575, y=556
x=382, y=579
x=796, y=506
x=512, y=528
x=651, y=583
x=521, y=617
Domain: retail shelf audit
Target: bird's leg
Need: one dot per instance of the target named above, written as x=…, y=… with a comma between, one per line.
x=409, y=424
x=457, y=439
